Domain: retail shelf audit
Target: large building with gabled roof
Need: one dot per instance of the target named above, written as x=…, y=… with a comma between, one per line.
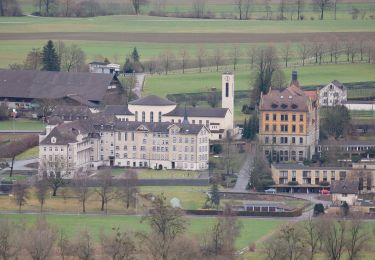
x=289, y=123
x=156, y=109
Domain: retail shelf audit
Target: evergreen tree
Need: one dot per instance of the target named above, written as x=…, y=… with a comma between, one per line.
x=135, y=55
x=245, y=130
x=215, y=196
x=50, y=59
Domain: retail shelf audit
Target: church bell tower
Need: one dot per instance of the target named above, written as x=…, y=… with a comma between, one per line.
x=227, y=93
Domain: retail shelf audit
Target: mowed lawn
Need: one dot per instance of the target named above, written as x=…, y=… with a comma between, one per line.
x=162, y=85
x=131, y=23
x=251, y=231
x=21, y=124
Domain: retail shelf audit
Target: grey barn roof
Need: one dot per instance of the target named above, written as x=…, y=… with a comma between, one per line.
x=345, y=186
x=116, y=110
x=152, y=101
x=48, y=84
x=198, y=112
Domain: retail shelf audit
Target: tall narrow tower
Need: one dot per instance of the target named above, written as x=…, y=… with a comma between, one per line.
x=227, y=94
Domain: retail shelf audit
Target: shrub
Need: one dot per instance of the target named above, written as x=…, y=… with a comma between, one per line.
x=252, y=247
x=217, y=148
x=318, y=209
x=345, y=209
x=324, y=183
x=3, y=112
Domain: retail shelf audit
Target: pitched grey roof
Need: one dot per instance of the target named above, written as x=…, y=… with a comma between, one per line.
x=50, y=84
x=81, y=100
x=162, y=127
x=345, y=186
x=71, y=111
x=198, y=112
x=117, y=110
x=152, y=101
x=337, y=84
x=68, y=132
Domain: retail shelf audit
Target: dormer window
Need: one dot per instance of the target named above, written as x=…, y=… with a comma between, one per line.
x=294, y=106
x=53, y=140
x=284, y=106
x=274, y=105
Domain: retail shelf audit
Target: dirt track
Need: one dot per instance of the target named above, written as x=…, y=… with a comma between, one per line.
x=187, y=37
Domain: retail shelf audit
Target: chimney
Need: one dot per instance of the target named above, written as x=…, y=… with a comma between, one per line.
x=294, y=75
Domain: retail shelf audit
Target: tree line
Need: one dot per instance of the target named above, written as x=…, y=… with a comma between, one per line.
x=167, y=238
x=330, y=50
x=54, y=57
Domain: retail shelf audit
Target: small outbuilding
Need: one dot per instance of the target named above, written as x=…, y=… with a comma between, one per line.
x=344, y=191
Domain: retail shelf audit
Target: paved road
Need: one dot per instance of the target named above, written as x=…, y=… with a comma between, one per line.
x=20, y=165
x=243, y=175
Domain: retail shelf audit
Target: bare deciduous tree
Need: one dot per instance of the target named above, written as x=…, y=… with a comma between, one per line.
x=137, y=4
x=335, y=2
x=333, y=237
x=9, y=240
x=41, y=190
x=184, y=53
x=166, y=59
x=300, y=5
x=218, y=58
x=54, y=172
x=83, y=246
x=105, y=189
x=357, y=237
x=311, y=236
x=235, y=55
x=244, y=8
x=286, y=52
x=322, y=6
x=73, y=59
x=303, y=50
x=64, y=245
x=118, y=245
x=201, y=57
x=198, y=8
x=20, y=192
x=166, y=224
x=81, y=188
x=282, y=9
x=33, y=60
x=129, y=191
x=39, y=240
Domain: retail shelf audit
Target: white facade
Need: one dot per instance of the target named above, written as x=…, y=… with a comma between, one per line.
x=219, y=121
x=360, y=105
x=339, y=198
x=144, y=145
x=333, y=94
x=101, y=67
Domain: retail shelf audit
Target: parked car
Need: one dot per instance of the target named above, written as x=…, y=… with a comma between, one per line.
x=271, y=190
x=325, y=192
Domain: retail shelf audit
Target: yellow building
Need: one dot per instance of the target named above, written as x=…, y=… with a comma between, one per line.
x=296, y=177
x=289, y=123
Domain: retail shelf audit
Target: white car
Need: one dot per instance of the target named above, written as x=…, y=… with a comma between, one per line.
x=272, y=190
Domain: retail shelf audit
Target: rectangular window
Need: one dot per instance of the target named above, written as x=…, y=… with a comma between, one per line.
x=293, y=140
x=267, y=128
x=274, y=117
x=132, y=136
x=301, y=128
x=301, y=118
x=293, y=128
x=274, y=128
x=226, y=89
x=301, y=140
x=267, y=117
x=266, y=140
x=274, y=140
x=293, y=118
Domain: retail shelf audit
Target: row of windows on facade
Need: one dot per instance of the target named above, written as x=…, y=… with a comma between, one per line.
x=283, y=140
x=335, y=94
x=284, y=155
x=283, y=128
x=145, y=164
x=179, y=157
x=308, y=174
x=161, y=149
x=284, y=117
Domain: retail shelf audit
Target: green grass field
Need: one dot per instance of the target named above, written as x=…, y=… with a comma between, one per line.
x=252, y=229
x=21, y=124
x=28, y=154
x=156, y=174
x=130, y=23
x=162, y=85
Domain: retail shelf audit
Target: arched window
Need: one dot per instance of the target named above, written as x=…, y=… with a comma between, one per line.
x=143, y=116
x=159, y=117
x=151, y=117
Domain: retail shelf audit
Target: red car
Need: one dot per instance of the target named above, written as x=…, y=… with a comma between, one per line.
x=325, y=192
